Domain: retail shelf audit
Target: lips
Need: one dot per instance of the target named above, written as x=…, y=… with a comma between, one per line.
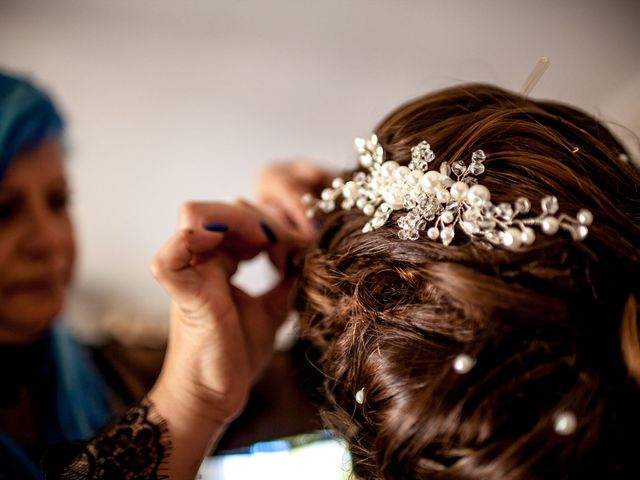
x=39, y=285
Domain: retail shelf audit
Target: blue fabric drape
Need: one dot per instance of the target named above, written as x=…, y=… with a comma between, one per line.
x=79, y=403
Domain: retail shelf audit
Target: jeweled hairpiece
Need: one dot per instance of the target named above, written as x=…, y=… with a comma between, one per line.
x=438, y=203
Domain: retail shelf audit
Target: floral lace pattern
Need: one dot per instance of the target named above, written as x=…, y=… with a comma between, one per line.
x=132, y=447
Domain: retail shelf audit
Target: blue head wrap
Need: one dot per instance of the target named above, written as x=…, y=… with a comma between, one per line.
x=27, y=118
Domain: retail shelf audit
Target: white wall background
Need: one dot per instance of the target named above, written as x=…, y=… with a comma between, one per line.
x=173, y=100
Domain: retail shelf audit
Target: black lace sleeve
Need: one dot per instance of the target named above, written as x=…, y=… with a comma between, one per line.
x=134, y=446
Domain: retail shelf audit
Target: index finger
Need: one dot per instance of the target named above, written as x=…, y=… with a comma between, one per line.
x=247, y=230
x=287, y=239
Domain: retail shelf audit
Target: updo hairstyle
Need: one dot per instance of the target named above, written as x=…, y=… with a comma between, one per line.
x=553, y=327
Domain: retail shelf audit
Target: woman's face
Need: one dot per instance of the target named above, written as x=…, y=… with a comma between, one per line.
x=36, y=243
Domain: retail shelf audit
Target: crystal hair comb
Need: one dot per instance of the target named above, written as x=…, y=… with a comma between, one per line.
x=438, y=203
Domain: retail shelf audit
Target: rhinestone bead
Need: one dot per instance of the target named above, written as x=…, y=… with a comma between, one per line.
x=504, y=210
x=476, y=169
x=523, y=205
x=550, y=205
x=478, y=156
x=471, y=181
x=487, y=223
x=458, y=167
x=422, y=152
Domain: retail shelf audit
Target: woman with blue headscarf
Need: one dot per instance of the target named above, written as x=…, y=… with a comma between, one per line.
x=54, y=391
x=51, y=391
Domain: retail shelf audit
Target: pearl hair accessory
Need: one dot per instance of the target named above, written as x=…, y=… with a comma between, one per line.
x=565, y=423
x=438, y=203
x=463, y=363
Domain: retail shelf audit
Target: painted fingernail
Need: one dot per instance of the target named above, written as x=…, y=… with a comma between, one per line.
x=268, y=232
x=216, y=227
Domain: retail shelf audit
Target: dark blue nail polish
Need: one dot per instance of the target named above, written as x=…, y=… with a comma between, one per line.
x=268, y=232
x=216, y=227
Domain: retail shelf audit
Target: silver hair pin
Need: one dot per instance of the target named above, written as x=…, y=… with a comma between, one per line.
x=535, y=76
x=438, y=203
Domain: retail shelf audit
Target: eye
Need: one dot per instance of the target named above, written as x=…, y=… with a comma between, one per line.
x=8, y=209
x=58, y=200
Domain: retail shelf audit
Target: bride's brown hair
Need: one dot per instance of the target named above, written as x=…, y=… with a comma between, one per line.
x=553, y=326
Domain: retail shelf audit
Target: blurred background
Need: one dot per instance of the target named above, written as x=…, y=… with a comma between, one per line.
x=174, y=100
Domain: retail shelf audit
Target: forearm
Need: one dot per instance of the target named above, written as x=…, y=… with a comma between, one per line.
x=155, y=439
x=191, y=432
x=136, y=445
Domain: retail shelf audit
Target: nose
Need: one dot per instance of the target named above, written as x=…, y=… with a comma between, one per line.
x=44, y=233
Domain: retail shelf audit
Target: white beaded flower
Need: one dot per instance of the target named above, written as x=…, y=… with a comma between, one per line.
x=439, y=203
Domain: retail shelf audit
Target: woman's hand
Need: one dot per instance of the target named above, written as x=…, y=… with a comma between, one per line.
x=281, y=186
x=220, y=337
